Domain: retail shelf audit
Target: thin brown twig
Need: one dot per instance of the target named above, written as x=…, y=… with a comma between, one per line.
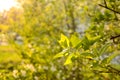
x=109, y=8
x=105, y=2
x=114, y=70
x=113, y=37
x=114, y=7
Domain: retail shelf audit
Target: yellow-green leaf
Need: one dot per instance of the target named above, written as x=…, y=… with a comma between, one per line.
x=69, y=59
x=75, y=41
x=64, y=41
x=61, y=54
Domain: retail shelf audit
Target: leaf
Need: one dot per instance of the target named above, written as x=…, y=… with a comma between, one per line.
x=116, y=66
x=92, y=39
x=96, y=52
x=85, y=43
x=117, y=30
x=87, y=54
x=88, y=41
x=64, y=41
x=75, y=41
x=61, y=54
x=104, y=49
x=95, y=64
x=112, y=56
x=104, y=61
x=69, y=59
x=108, y=59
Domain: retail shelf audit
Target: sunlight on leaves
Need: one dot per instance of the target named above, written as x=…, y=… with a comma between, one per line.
x=64, y=41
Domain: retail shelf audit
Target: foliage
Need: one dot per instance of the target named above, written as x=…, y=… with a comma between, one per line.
x=87, y=52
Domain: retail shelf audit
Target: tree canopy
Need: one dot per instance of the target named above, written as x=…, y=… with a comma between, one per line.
x=62, y=40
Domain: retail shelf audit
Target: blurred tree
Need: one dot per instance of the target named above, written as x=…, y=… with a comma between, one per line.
x=87, y=50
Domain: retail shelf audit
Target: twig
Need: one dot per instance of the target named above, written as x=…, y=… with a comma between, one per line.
x=109, y=8
x=105, y=3
x=114, y=70
x=66, y=10
x=113, y=37
x=114, y=7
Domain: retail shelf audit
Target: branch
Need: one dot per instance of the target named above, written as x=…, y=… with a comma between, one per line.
x=108, y=71
x=105, y=3
x=113, y=37
x=66, y=10
x=109, y=9
x=113, y=70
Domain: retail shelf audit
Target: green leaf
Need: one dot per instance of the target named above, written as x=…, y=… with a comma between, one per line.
x=117, y=30
x=64, y=41
x=89, y=40
x=69, y=59
x=61, y=54
x=116, y=66
x=112, y=56
x=108, y=59
x=85, y=43
x=104, y=61
x=92, y=39
x=87, y=55
x=104, y=49
x=96, y=52
x=75, y=41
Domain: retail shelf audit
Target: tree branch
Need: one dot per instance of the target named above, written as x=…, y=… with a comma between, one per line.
x=113, y=70
x=113, y=37
x=105, y=3
x=66, y=10
x=109, y=9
